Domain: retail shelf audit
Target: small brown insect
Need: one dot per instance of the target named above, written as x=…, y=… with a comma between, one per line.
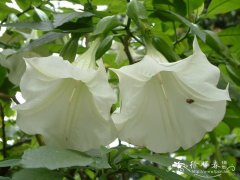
x=189, y=101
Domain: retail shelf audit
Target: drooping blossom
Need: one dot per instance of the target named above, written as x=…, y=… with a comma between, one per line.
x=165, y=106
x=68, y=104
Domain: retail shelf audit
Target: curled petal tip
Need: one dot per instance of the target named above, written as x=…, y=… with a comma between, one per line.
x=196, y=47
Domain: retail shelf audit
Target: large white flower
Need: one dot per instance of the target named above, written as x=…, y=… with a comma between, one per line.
x=169, y=105
x=68, y=104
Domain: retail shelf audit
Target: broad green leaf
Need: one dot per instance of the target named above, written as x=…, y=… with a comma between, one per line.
x=106, y=24
x=37, y=174
x=9, y=162
x=194, y=6
x=115, y=7
x=44, y=26
x=60, y=19
x=215, y=43
x=221, y=7
x=69, y=50
x=104, y=46
x=54, y=158
x=24, y=4
x=180, y=7
x=136, y=11
x=222, y=129
x=166, y=5
x=230, y=36
x=51, y=36
x=100, y=157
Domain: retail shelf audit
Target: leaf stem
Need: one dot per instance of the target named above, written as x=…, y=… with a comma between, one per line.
x=181, y=39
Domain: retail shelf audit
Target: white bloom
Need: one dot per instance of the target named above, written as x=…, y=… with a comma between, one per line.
x=169, y=105
x=68, y=104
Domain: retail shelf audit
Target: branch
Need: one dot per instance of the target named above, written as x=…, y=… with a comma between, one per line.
x=126, y=49
x=4, y=140
x=6, y=97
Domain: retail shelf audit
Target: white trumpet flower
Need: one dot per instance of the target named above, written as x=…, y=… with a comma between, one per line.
x=68, y=104
x=165, y=105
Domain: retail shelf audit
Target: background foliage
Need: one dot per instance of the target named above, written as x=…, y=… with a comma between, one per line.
x=44, y=27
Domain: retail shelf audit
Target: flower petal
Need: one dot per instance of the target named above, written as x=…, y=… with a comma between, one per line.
x=42, y=70
x=101, y=90
x=65, y=109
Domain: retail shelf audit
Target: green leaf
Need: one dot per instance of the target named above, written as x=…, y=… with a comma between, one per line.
x=5, y=10
x=136, y=11
x=193, y=4
x=60, y=19
x=44, y=26
x=54, y=158
x=42, y=15
x=232, y=115
x=230, y=36
x=227, y=77
x=166, y=5
x=234, y=73
x=37, y=174
x=104, y=46
x=105, y=25
x=168, y=175
x=222, y=129
x=24, y=4
x=215, y=43
x=9, y=162
x=194, y=28
x=180, y=3
x=46, y=38
x=165, y=49
x=69, y=50
x=221, y=6
x=100, y=157
x=166, y=161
